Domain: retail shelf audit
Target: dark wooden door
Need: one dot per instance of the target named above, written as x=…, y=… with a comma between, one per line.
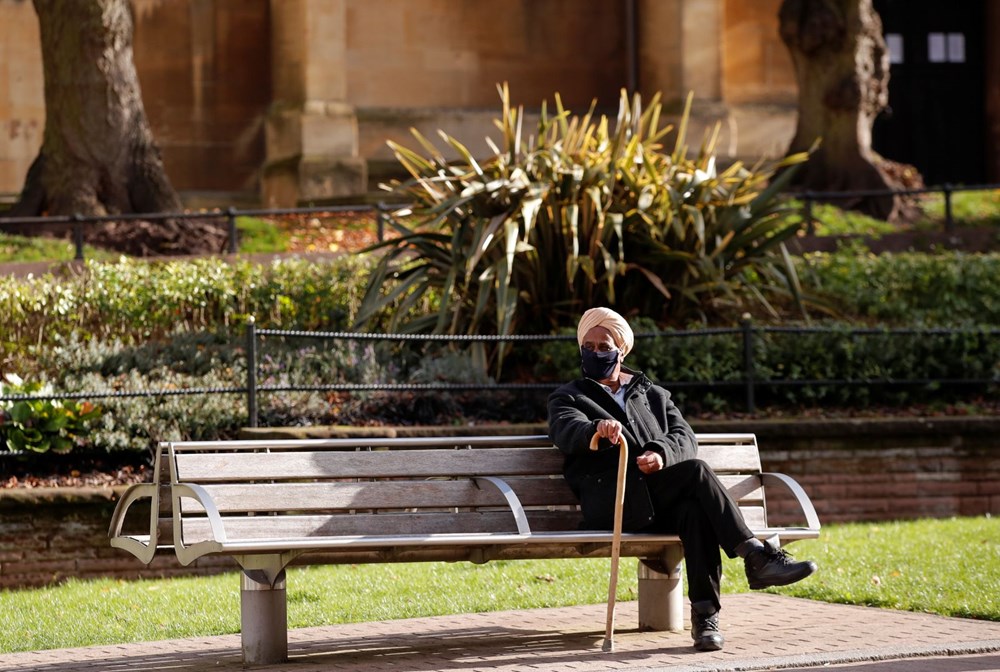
x=936, y=118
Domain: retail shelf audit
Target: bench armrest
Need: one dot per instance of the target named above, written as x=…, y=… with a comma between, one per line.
x=512, y=501
x=141, y=550
x=790, y=484
x=187, y=553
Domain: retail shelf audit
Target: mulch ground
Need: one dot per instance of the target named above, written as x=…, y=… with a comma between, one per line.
x=329, y=232
x=91, y=478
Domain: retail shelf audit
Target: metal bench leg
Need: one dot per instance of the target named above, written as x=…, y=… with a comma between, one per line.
x=263, y=619
x=661, y=592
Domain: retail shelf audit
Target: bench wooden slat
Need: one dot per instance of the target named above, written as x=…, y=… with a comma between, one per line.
x=333, y=496
x=329, y=496
x=382, y=524
x=730, y=458
x=240, y=466
x=369, y=444
x=391, y=524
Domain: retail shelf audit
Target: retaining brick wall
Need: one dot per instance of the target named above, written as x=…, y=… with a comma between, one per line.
x=49, y=535
x=886, y=469
x=853, y=470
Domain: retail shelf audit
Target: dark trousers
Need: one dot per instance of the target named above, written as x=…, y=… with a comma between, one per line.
x=690, y=501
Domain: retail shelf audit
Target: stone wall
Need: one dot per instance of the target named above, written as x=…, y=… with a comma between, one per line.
x=862, y=470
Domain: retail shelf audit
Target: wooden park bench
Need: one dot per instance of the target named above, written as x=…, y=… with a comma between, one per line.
x=269, y=504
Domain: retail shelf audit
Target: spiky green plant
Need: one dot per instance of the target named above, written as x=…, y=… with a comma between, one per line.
x=582, y=212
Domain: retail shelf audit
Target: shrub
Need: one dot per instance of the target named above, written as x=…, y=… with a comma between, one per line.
x=580, y=214
x=944, y=289
x=138, y=301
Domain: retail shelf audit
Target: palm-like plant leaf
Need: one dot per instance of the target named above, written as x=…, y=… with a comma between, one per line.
x=584, y=211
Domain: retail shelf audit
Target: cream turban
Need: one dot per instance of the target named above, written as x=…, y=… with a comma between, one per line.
x=610, y=320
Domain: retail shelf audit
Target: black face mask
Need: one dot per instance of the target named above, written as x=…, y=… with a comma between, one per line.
x=598, y=365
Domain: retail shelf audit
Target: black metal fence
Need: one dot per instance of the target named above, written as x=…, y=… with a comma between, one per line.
x=748, y=334
x=750, y=383
x=79, y=222
x=382, y=210
x=809, y=198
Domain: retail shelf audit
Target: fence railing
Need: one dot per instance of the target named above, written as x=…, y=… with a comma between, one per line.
x=809, y=198
x=382, y=211
x=748, y=335
x=78, y=222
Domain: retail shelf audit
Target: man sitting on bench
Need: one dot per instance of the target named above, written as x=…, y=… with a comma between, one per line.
x=667, y=488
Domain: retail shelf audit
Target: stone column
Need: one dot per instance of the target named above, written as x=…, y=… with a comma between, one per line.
x=311, y=131
x=680, y=48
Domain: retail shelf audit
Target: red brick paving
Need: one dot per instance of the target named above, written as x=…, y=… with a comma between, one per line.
x=763, y=631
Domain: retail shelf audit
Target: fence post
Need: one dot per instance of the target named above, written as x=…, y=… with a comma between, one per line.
x=234, y=240
x=251, y=371
x=807, y=212
x=748, y=374
x=948, y=221
x=380, y=220
x=78, y=235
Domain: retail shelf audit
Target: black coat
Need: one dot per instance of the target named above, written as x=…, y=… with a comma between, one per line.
x=650, y=421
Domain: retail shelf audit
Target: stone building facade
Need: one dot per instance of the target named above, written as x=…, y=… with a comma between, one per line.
x=289, y=101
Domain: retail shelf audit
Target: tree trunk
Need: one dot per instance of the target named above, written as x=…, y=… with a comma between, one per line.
x=842, y=69
x=98, y=156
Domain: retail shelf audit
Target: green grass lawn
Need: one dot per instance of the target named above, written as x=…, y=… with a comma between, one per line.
x=969, y=208
x=949, y=567
x=256, y=236
x=20, y=249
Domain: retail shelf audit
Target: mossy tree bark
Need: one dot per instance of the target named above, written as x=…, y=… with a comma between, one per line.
x=842, y=69
x=98, y=155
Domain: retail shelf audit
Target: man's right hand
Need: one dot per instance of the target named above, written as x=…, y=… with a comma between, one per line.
x=610, y=430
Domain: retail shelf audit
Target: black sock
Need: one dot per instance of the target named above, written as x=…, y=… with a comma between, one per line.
x=751, y=544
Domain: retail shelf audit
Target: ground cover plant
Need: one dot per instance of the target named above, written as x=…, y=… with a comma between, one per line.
x=955, y=573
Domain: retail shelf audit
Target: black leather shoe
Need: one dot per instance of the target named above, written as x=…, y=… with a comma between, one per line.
x=705, y=627
x=766, y=567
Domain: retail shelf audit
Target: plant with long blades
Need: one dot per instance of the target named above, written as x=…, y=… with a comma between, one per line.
x=582, y=212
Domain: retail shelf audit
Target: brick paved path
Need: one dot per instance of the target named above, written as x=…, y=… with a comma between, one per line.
x=763, y=631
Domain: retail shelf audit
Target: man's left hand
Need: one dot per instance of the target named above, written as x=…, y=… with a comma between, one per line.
x=649, y=462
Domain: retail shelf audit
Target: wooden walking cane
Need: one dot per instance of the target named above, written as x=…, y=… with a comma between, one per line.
x=616, y=540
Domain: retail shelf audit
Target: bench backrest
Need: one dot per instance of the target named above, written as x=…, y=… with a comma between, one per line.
x=352, y=487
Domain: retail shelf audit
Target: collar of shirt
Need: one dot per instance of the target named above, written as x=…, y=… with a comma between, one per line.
x=623, y=379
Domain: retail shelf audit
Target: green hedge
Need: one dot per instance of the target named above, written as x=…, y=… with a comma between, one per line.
x=909, y=289
x=135, y=301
